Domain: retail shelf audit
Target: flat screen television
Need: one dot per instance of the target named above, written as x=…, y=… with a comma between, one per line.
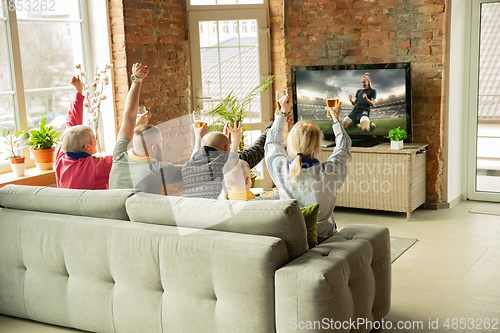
x=391, y=81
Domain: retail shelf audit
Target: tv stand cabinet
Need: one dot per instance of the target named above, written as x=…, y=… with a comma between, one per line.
x=382, y=178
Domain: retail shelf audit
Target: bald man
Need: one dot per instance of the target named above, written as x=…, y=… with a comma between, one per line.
x=202, y=175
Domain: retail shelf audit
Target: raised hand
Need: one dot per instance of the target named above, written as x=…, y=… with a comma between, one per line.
x=365, y=97
x=236, y=133
x=286, y=104
x=77, y=83
x=200, y=132
x=226, y=132
x=334, y=112
x=140, y=70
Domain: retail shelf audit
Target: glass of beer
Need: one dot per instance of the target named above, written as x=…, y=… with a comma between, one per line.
x=197, y=118
x=140, y=111
x=332, y=100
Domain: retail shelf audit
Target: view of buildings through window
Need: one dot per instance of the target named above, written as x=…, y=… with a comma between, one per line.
x=230, y=61
x=50, y=42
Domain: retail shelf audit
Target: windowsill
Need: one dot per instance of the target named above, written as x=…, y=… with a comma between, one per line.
x=32, y=176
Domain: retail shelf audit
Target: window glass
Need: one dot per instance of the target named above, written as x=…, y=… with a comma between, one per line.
x=53, y=104
x=5, y=78
x=6, y=120
x=230, y=63
x=49, y=50
x=7, y=115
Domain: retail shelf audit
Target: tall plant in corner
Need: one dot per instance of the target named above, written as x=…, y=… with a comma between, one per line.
x=232, y=109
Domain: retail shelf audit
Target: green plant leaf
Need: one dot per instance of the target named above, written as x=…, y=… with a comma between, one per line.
x=230, y=109
x=4, y=131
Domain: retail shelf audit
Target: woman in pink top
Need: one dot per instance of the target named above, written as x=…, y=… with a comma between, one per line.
x=75, y=166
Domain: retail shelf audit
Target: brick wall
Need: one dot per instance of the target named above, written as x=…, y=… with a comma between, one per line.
x=303, y=32
x=154, y=33
x=322, y=32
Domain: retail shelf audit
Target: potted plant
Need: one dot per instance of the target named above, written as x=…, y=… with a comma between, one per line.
x=15, y=144
x=232, y=109
x=397, y=135
x=42, y=142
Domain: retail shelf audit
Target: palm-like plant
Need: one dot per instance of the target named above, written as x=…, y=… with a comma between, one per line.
x=231, y=109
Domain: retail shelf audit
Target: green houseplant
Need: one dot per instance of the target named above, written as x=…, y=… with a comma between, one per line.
x=42, y=142
x=15, y=144
x=232, y=109
x=397, y=135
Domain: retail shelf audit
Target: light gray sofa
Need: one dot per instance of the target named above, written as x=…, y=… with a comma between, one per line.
x=112, y=261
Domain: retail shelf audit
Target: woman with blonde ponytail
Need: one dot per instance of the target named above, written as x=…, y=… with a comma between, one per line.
x=298, y=174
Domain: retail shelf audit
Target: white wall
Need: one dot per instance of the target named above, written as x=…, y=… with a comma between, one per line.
x=454, y=126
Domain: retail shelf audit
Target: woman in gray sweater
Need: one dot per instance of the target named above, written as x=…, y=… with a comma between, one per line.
x=298, y=174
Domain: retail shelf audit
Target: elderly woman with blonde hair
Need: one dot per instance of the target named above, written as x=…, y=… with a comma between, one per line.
x=298, y=174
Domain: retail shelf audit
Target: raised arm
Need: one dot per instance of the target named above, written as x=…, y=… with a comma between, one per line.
x=341, y=155
x=353, y=101
x=236, y=133
x=371, y=102
x=199, y=133
x=75, y=113
x=276, y=157
x=139, y=72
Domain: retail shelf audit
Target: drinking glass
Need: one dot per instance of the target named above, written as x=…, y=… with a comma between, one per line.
x=197, y=118
x=332, y=100
x=140, y=111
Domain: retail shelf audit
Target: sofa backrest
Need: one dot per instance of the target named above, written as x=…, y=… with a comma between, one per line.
x=277, y=218
x=103, y=275
x=105, y=204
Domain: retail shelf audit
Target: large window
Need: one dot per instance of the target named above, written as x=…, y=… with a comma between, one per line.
x=229, y=42
x=40, y=42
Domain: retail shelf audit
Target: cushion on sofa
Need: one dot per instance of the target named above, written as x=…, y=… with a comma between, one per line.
x=311, y=216
x=278, y=218
x=105, y=204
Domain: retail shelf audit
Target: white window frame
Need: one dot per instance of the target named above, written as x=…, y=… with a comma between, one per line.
x=94, y=19
x=259, y=12
x=229, y=13
x=471, y=81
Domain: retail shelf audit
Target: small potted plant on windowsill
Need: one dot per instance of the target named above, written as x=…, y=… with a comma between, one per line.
x=42, y=142
x=397, y=135
x=15, y=144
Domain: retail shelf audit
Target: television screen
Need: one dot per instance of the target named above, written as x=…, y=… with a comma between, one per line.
x=370, y=112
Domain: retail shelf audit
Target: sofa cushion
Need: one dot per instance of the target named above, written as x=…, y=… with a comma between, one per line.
x=105, y=204
x=278, y=218
x=311, y=216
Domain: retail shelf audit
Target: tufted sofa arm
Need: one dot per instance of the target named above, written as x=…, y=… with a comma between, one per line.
x=344, y=278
